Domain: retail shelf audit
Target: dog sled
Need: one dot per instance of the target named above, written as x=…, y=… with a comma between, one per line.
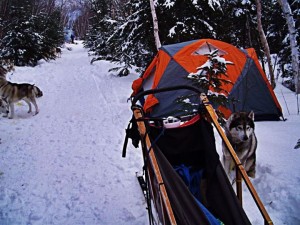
x=184, y=181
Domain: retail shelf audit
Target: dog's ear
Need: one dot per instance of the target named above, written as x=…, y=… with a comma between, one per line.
x=234, y=115
x=231, y=118
x=5, y=99
x=251, y=115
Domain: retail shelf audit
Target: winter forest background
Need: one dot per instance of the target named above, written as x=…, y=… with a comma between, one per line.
x=121, y=31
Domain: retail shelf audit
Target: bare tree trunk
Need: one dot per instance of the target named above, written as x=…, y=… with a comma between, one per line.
x=4, y=5
x=265, y=44
x=293, y=43
x=155, y=25
x=248, y=30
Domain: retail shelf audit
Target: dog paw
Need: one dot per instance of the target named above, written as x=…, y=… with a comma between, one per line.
x=251, y=174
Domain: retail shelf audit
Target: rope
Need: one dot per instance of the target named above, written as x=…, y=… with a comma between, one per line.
x=157, y=138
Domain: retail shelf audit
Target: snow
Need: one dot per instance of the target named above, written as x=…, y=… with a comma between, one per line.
x=169, y=4
x=64, y=165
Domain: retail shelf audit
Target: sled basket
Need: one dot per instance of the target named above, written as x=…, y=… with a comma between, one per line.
x=184, y=180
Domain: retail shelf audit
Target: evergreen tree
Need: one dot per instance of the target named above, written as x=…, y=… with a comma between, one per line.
x=51, y=31
x=133, y=41
x=127, y=41
x=210, y=78
x=236, y=24
x=100, y=29
x=185, y=20
x=28, y=38
x=20, y=43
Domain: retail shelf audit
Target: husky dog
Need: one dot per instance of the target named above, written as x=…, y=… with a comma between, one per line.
x=14, y=92
x=239, y=129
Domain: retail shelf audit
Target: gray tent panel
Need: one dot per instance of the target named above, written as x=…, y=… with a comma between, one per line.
x=174, y=48
x=252, y=93
x=174, y=74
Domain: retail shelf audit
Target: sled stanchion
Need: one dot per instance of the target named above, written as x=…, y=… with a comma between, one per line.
x=210, y=110
x=239, y=191
x=162, y=189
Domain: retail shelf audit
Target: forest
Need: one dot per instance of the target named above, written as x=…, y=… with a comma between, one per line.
x=123, y=31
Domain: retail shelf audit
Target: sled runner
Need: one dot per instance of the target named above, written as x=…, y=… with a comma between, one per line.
x=183, y=181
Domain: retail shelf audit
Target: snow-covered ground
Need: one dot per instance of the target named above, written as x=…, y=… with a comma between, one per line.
x=64, y=165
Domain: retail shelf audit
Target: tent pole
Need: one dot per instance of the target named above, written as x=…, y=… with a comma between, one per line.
x=162, y=189
x=235, y=158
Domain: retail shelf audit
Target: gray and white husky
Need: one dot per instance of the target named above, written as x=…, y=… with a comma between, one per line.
x=239, y=130
x=14, y=92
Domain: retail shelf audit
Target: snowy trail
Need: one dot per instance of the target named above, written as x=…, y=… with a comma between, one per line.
x=64, y=166
x=67, y=168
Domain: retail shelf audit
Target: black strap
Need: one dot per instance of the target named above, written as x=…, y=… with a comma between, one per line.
x=132, y=133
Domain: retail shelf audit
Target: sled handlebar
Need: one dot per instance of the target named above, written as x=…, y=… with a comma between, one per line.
x=159, y=90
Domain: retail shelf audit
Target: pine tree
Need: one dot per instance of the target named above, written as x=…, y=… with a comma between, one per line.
x=185, y=20
x=100, y=29
x=49, y=27
x=236, y=24
x=126, y=41
x=209, y=78
x=20, y=43
x=29, y=37
x=133, y=41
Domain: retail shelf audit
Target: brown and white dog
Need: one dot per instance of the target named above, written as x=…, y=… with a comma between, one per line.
x=14, y=92
x=239, y=130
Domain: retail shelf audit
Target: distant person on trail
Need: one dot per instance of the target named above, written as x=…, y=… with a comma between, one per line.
x=72, y=38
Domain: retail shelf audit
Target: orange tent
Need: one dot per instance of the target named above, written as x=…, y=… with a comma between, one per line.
x=173, y=63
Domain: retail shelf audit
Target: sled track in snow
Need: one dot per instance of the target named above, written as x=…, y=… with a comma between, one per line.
x=64, y=165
